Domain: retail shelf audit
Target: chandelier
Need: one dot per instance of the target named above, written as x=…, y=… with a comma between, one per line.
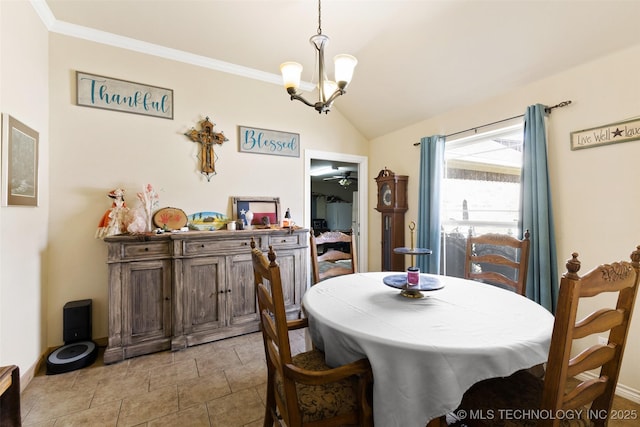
x=328, y=90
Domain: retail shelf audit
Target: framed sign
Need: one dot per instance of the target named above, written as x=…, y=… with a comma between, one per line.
x=265, y=211
x=19, y=163
x=608, y=134
x=265, y=141
x=124, y=96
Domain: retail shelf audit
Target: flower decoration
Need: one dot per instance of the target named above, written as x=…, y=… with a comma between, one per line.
x=141, y=217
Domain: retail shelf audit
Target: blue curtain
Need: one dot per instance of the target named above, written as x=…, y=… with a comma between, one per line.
x=535, y=208
x=428, y=224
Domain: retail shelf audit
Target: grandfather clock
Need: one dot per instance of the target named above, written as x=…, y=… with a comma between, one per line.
x=392, y=203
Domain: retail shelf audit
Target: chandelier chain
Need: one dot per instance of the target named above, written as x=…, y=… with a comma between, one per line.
x=319, y=19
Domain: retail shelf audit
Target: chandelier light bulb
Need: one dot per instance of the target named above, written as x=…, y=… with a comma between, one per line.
x=345, y=64
x=328, y=88
x=291, y=72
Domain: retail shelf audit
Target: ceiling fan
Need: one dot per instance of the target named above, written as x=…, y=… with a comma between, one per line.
x=344, y=179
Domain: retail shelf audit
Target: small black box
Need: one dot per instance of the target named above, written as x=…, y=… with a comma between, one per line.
x=77, y=321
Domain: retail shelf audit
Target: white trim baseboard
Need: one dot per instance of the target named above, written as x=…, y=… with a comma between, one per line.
x=621, y=389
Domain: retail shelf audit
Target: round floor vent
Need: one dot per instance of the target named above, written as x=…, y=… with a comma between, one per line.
x=72, y=356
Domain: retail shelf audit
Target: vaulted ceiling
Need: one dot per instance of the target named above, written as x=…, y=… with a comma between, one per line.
x=417, y=58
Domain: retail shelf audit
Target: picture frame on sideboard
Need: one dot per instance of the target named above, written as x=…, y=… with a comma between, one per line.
x=266, y=211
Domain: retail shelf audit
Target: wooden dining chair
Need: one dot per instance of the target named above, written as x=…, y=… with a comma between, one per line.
x=332, y=262
x=302, y=390
x=498, y=259
x=590, y=401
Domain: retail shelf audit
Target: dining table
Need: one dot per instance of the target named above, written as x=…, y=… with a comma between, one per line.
x=426, y=347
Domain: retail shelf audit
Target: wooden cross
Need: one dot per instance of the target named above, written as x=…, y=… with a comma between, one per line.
x=207, y=138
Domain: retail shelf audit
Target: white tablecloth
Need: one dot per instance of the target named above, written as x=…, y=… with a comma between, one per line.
x=425, y=353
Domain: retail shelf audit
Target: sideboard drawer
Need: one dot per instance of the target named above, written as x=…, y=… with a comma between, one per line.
x=217, y=247
x=145, y=249
x=287, y=240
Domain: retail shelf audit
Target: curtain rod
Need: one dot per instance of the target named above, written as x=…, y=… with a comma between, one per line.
x=547, y=110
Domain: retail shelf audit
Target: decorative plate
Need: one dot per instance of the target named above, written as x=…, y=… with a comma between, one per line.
x=427, y=282
x=207, y=220
x=171, y=218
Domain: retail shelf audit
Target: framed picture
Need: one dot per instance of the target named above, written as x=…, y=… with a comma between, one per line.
x=265, y=210
x=19, y=163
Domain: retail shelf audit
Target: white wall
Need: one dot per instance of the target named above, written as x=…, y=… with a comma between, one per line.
x=94, y=151
x=595, y=196
x=48, y=255
x=24, y=94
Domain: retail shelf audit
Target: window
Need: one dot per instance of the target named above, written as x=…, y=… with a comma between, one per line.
x=480, y=191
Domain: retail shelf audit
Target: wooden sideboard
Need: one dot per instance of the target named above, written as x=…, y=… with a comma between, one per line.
x=10, y=396
x=174, y=290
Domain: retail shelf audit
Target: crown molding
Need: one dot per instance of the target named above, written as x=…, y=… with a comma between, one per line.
x=110, y=39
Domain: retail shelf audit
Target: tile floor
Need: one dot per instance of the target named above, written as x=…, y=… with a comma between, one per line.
x=217, y=384
x=221, y=384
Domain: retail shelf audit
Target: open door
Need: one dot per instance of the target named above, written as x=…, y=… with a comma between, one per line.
x=347, y=177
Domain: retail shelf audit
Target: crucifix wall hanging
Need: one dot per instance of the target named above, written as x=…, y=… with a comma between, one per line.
x=207, y=139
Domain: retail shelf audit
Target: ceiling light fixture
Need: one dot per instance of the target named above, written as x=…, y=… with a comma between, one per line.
x=322, y=170
x=328, y=90
x=345, y=182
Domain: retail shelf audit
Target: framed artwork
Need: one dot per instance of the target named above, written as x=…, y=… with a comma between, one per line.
x=19, y=163
x=265, y=210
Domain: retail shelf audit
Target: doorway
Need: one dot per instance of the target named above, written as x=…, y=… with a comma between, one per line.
x=347, y=175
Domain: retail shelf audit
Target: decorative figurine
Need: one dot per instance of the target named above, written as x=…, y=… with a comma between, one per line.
x=113, y=221
x=248, y=216
x=207, y=138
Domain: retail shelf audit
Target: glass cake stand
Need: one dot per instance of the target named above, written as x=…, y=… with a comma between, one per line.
x=408, y=290
x=428, y=282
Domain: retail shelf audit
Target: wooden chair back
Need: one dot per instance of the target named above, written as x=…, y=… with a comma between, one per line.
x=619, y=278
x=288, y=377
x=273, y=323
x=326, y=264
x=498, y=259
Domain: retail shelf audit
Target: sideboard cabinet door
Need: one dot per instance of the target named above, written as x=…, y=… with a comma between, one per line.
x=291, y=271
x=147, y=310
x=205, y=293
x=242, y=303
x=143, y=318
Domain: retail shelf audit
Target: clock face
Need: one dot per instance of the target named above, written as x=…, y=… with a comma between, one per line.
x=386, y=194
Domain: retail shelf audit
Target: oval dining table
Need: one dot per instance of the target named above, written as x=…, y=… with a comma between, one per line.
x=425, y=352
